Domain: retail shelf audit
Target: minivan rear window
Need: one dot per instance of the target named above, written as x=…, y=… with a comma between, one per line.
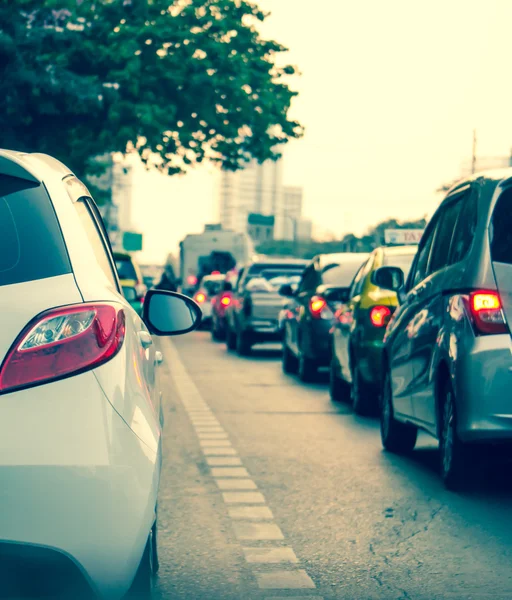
x=342, y=275
x=501, y=229
x=31, y=242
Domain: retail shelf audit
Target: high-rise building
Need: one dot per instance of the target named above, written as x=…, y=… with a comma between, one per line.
x=257, y=189
x=289, y=213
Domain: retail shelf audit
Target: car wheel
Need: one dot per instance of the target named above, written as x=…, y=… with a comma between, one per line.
x=142, y=586
x=338, y=388
x=307, y=369
x=453, y=453
x=396, y=437
x=361, y=395
x=290, y=363
x=243, y=343
x=231, y=339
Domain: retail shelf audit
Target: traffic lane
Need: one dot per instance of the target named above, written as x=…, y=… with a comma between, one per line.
x=366, y=523
x=199, y=559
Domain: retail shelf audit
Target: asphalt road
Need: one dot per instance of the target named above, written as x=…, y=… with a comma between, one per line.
x=321, y=511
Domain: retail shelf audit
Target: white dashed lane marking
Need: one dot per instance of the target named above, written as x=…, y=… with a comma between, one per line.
x=257, y=531
x=251, y=513
x=251, y=520
x=270, y=555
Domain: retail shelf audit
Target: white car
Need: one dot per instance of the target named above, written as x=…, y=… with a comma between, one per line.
x=210, y=286
x=80, y=410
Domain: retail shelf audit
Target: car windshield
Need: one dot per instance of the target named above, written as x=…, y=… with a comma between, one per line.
x=125, y=268
x=403, y=261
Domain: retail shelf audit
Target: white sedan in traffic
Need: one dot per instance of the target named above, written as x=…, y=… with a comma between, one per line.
x=80, y=409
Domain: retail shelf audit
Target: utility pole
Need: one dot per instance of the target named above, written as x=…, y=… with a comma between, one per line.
x=473, y=157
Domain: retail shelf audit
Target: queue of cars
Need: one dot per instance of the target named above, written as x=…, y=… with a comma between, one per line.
x=416, y=334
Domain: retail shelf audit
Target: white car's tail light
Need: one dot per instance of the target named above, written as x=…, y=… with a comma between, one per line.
x=487, y=312
x=63, y=342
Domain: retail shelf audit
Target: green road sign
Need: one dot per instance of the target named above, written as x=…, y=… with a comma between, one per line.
x=132, y=242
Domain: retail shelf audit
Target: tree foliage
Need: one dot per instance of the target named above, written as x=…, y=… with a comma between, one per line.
x=187, y=80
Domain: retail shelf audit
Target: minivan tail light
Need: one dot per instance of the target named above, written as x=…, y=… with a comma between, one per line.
x=225, y=300
x=380, y=315
x=63, y=342
x=487, y=312
x=319, y=308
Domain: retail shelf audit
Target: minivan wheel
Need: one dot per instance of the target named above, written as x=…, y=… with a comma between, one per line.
x=231, y=339
x=338, y=388
x=453, y=453
x=396, y=437
x=361, y=395
x=142, y=586
x=289, y=361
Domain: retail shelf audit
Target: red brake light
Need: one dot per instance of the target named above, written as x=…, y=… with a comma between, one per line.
x=199, y=297
x=487, y=313
x=62, y=342
x=192, y=280
x=225, y=301
x=215, y=273
x=380, y=315
x=319, y=309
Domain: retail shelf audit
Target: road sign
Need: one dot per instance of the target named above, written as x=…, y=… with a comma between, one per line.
x=402, y=236
x=132, y=242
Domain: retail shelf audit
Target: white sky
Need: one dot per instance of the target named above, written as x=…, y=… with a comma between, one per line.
x=389, y=94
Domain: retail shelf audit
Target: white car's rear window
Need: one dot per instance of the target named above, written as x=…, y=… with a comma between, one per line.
x=31, y=243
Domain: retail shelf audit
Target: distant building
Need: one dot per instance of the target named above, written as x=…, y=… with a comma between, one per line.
x=256, y=189
x=289, y=212
x=260, y=228
x=304, y=229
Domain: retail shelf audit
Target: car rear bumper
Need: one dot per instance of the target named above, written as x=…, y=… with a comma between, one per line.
x=317, y=342
x=78, y=486
x=264, y=330
x=484, y=390
x=369, y=360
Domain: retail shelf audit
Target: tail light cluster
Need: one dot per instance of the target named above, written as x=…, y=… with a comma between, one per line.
x=319, y=308
x=62, y=342
x=380, y=316
x=200, y=298
x=225, y=301
x=487, y=312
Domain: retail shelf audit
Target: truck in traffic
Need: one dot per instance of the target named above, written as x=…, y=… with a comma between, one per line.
x=215, y=251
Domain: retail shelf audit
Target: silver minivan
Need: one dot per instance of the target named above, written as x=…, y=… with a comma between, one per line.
x=448, y=348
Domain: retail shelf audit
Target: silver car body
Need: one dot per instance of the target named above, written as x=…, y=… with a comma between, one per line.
x=432, y=336
x=79, y=457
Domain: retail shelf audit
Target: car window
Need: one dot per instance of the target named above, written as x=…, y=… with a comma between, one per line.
x=125, y=268
x=357, y=284
x=501, y=229
x=419, y=269
x=31, y=242
x=403, y=261
x=465, y=228
x=341, y=275
x=443, y=238
x=96, y=240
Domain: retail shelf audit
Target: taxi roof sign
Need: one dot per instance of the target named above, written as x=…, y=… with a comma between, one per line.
x=402, y=237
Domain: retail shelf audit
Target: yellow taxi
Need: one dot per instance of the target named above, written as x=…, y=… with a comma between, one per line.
x=358, y=331
x=130, y=277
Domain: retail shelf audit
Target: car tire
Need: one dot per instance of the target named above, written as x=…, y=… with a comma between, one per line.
x=231, y=339
x=339, y=389
x=243, y=343
x=290, y=363
x=396, y=437
x=361, y=393
x=142, y=586
x=453, y=454
x=307, y=369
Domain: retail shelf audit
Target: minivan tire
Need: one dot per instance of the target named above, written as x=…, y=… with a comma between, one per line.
x=339, y=389
x=396, y=437
x=289, y=361
x=453, y=454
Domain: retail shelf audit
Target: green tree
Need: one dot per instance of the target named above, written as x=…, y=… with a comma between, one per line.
x=187, y=80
